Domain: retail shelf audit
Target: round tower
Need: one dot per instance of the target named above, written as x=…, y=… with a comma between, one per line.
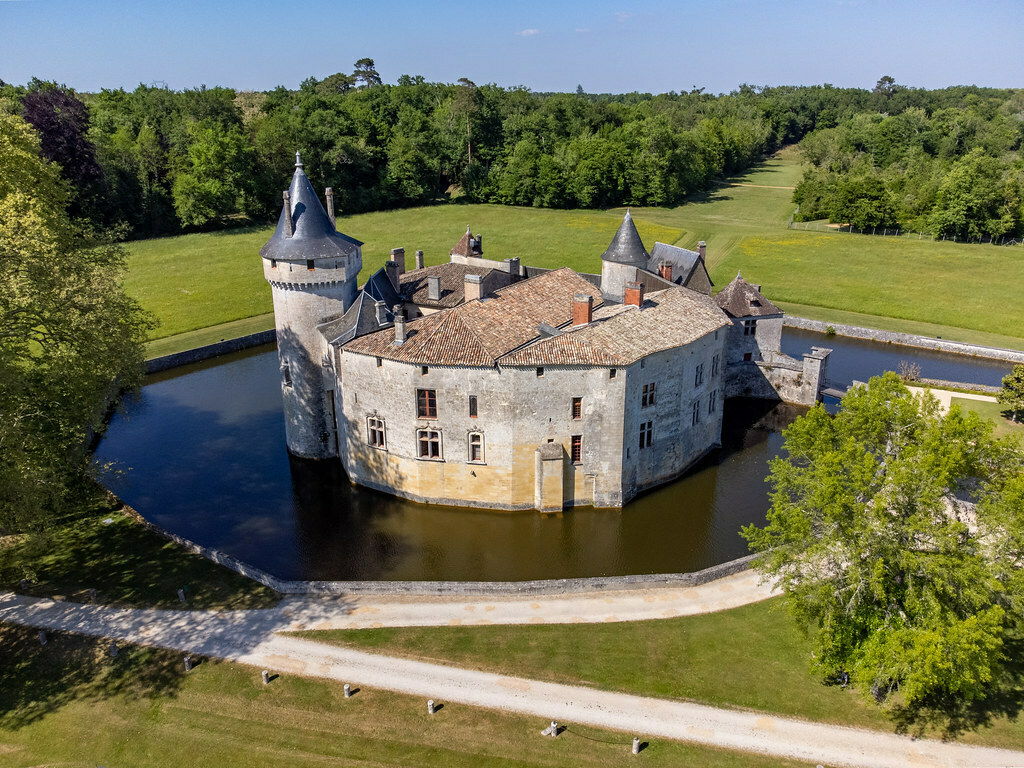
x=312, y=270
x=624, y=257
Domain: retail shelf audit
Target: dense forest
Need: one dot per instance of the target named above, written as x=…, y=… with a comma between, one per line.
x=157, y=161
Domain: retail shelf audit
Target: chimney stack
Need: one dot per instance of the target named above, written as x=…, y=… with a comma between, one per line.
x=391, y=268
x=399, y=325
x=701, y=248
x=419, y=259
x=382, y=312
x=582, y=309
x=634, y=294
x=289, y=225
x=474, y=287
x=433, y=288
x=512, y=265
x=665, y=270
x=398, y=256
x=329, y=194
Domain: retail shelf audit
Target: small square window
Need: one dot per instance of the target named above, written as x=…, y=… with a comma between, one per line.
x=611, y=373
x=273, y=263
x=424, y=370
x=577, y=407
x=747, y=357
x=540, y=370
x=750, y=327
x=309, y=265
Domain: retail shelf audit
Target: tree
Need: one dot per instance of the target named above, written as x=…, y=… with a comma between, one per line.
x=1011, y=396
x=366, y=73
x=67, y=333
x=896, y=532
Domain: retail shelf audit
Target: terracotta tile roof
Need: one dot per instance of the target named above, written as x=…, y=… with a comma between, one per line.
x=453, y=283
x=741, y=299
x=464, y=248
x=622, y=334
x=480, y=332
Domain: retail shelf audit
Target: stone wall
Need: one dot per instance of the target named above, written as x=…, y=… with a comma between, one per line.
x=210, y=351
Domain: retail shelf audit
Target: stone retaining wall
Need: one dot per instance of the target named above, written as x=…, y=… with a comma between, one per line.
x=199, y=354
x=906, y=339
x=436, y=588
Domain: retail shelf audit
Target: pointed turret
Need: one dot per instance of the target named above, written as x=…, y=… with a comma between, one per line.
x=626, y=246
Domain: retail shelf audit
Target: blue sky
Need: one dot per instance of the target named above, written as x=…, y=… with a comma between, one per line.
x=604, y=45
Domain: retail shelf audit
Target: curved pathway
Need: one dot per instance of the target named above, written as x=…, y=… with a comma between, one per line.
x=250, y=637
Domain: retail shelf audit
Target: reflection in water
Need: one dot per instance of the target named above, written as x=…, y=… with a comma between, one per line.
x=202, y=453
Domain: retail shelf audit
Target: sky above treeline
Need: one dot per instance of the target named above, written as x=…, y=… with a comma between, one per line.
x=607, y=46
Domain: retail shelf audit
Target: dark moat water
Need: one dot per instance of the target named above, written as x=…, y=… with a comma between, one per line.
x=202, y=452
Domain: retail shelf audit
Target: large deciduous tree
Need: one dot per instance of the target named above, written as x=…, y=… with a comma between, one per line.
x=67, y=331
x=896, y=532
x=1011, y=396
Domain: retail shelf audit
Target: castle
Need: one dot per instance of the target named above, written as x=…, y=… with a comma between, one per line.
x=494, y=384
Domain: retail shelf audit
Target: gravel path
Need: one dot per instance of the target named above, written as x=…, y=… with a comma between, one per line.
x=250, y=637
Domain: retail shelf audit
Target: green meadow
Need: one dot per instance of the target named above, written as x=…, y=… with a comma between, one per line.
x=196, y=283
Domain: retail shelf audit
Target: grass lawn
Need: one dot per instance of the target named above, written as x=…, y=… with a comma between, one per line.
x=752, y=657
x=994, y=413
x=124, y=562
x=963, y=292
x=68, y=703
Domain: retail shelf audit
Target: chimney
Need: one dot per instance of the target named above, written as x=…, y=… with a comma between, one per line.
x=289, y=225
x=329, y=194
x=582, y=309
x=634, y=294
x=382, y=312
x=480, y=245
x=399, y=325
x=419, y=259
x=701, y=248
x=665, y=270
x=512, y=265
x=474, y=287
x=398, y=256
x=433, y=288
x=391, y=268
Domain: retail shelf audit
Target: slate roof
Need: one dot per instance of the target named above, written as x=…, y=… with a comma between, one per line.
x=480, y=332
x=621, y=334
x=684, y=262
x=314, y=235
x=463, y=247
x=741, y=299
x=626, y=247
x=453, y=283
x=361, y=317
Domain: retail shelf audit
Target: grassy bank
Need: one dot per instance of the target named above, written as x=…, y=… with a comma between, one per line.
x=54, y=698
x=98, y=546
x=752, y=657
x=957, y=291
x=994, y=413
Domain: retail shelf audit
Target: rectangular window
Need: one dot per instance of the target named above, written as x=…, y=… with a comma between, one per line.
x=476, y=447
x=714, y=365
x=577, y=449
x=698, y=375
x=375, y=432
x=429, y=443
x=424, y=370
x=695, y=414
x=611, y=373
x=273, y=263
x=647, y=397
x=750, y=327
x=472, y=406
x=646, y=431
x=577, y=407
x=747, y=357
x=712, y=402
x=379, y=362
x=540, y=371
x=426, y=403
x=309, y=264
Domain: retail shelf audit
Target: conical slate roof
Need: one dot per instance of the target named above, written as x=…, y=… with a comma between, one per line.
x=626, y=247
x=314, y=235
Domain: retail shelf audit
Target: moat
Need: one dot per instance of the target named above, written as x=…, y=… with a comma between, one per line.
x=202, y=453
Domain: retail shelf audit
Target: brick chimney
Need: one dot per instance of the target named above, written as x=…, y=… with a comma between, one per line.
x=399, y=325
x=474, y=287
x=701, y=249
x=391, y=269
x=398, y=256
x=382, y=312
x=419, y=259
x=665, y=270
x=634, y=294
x=329, y=194
x=289, y=225
x=582, y=309
x=433, y=287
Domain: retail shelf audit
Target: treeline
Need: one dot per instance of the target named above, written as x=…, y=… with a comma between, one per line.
x=946, y=162
x=160, y=161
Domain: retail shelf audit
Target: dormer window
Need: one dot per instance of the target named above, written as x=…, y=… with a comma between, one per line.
x=273, y=263
x=309, y=265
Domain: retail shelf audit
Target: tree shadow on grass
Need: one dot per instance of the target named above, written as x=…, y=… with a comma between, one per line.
x=36, y=680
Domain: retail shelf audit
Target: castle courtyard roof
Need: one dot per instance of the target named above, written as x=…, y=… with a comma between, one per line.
x=741, y=299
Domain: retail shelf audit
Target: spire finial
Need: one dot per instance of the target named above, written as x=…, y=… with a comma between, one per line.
x=298, y=160
x=738, y=275
x=467, y=230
